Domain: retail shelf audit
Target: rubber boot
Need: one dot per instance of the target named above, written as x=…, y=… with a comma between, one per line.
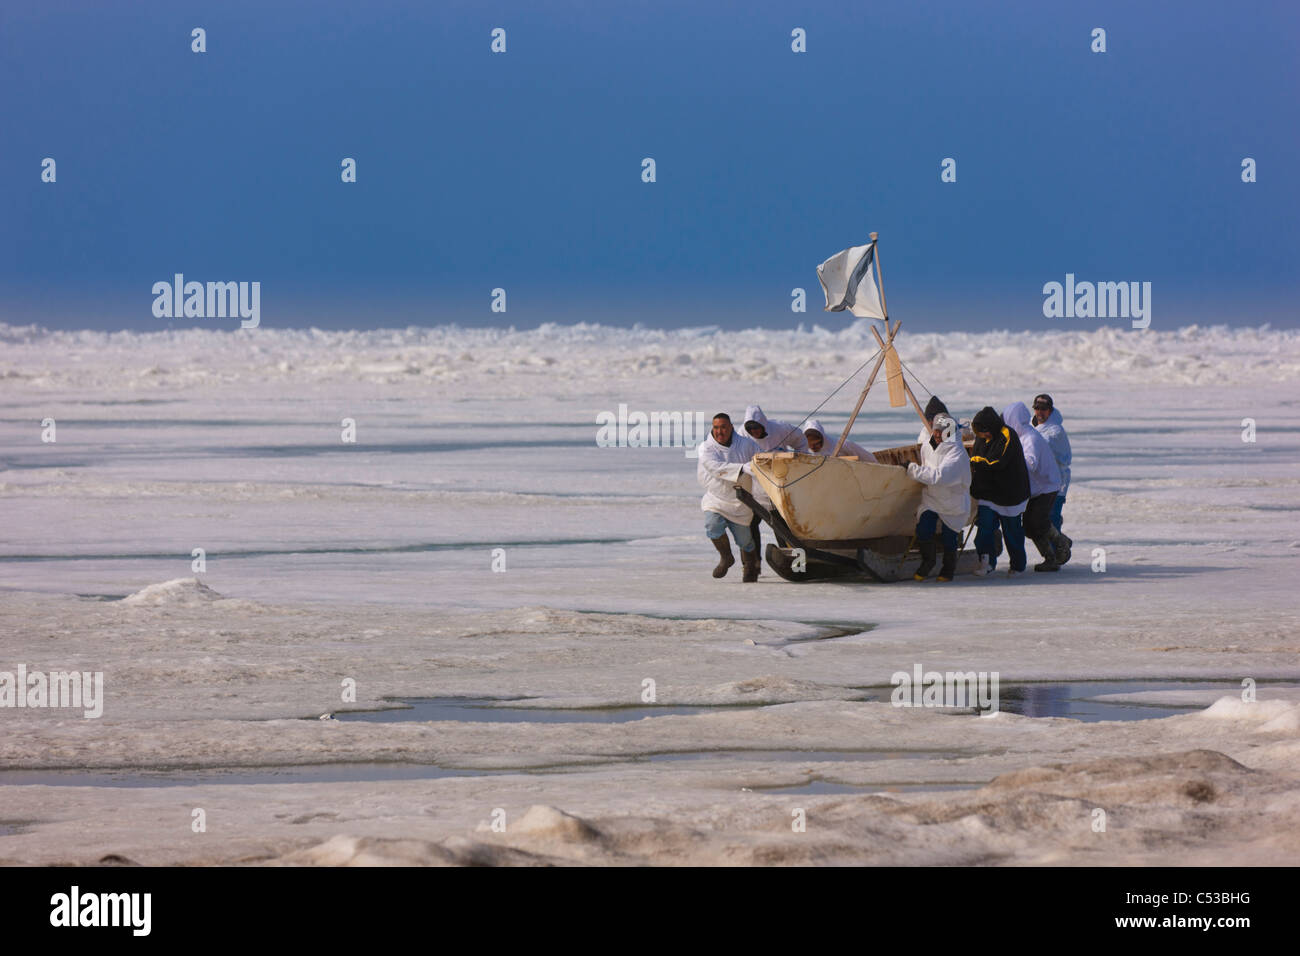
x=725, y=560
x=1044, y=546
x=927, y=550
x=1061, y=543
x=750, y=561
x=949, y=567
x=754, y=529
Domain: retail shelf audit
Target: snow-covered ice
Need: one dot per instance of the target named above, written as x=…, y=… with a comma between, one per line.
x=373, y=561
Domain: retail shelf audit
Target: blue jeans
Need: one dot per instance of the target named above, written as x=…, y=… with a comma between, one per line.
x=987, y=522
x=925, y=528
x=1056, y=512
x=715, y=526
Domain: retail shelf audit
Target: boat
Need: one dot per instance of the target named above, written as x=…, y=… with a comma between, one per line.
x=838, y=515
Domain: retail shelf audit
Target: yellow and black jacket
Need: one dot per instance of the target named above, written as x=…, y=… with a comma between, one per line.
x=997, y=468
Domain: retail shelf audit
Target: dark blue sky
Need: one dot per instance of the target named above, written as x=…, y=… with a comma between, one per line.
x=523, y=170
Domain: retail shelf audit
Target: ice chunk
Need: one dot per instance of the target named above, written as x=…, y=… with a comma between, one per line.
x=550, y=822
x=186, y=591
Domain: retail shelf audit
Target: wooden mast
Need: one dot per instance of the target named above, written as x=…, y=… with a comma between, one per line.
x=880, y=281
x=858, y=407
x=885, y=345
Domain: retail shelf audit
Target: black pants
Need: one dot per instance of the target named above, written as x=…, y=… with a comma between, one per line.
x=1038, y=516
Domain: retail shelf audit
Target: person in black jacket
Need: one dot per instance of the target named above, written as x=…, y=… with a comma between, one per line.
x=1000, y=487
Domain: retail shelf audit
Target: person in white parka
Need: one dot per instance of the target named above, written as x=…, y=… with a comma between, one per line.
x=945, y=500
x=1048, y=421
x=770, y=435
x=722, y=458
x=1044, y=486
x=819, y=443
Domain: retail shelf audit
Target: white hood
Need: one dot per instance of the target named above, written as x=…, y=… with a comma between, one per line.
x=1044, y=475
x=828, y=443
x=755, y=414
x=778, y=434
x=1054, y=431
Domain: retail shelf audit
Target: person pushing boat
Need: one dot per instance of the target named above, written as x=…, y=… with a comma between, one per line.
x=1000, y=486
x=819, y=443
x=945, y=471
x=722, y=458
x=1050, y=424
x=770, y=435
x=1044, y=485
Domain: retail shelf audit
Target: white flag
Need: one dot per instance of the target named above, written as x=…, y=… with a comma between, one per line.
x=848, y=283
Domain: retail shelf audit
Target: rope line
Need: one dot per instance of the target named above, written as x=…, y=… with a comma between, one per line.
x=915, y=376
x=854, y=374
x=851, y=377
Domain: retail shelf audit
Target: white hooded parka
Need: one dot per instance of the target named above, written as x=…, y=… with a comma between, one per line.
x=828, y=443
x=1054, y=431
x=1044, y=475
x=718, y=472
x=778, y=434
x=945, y=472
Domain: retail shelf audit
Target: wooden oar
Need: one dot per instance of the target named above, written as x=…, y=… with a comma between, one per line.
x=907, y=388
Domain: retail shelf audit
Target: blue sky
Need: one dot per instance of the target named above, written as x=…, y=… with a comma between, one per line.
x=522, y=170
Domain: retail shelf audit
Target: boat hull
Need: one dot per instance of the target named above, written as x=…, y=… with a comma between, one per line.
x=839, y=502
